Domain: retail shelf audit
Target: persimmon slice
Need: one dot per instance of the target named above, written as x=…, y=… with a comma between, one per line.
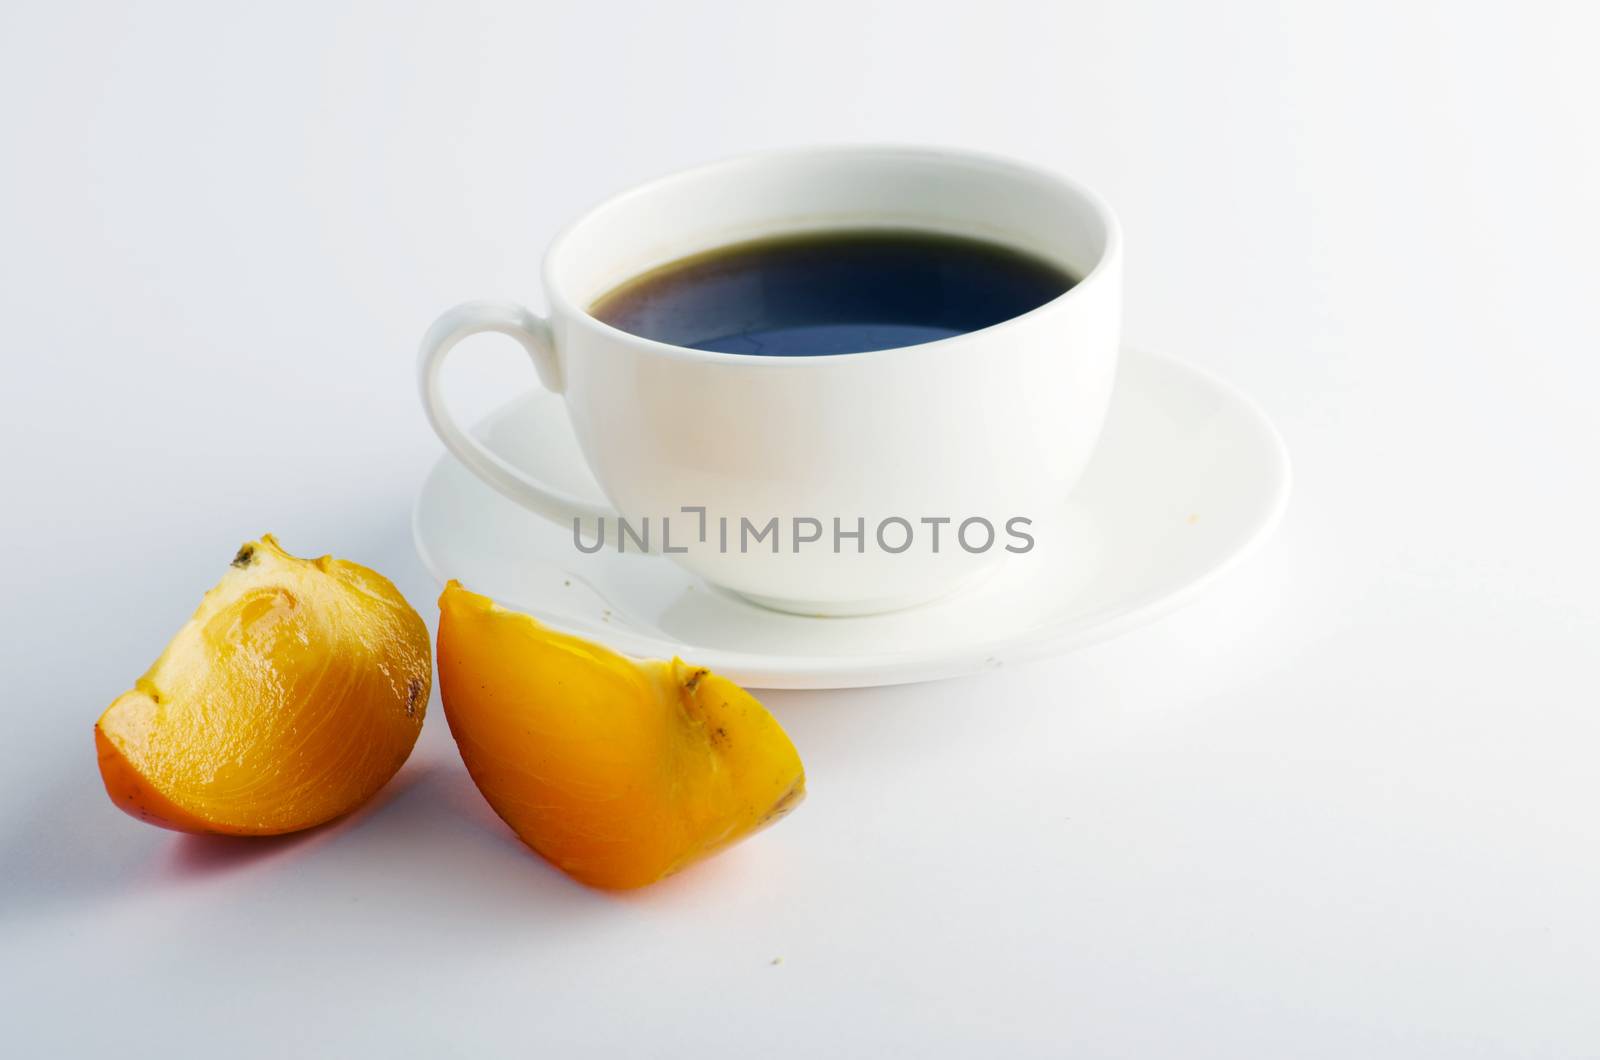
x=294, y=693
x=618, y=771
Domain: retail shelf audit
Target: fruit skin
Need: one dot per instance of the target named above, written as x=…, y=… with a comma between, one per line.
x=618, y=771
x=294, y=693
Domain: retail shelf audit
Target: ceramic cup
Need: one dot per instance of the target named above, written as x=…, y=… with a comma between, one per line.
x=882, y=469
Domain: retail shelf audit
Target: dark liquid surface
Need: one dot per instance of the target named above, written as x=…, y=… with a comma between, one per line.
x=832, y=292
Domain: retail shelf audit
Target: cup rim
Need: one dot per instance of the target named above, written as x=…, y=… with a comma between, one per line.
x=561, y=305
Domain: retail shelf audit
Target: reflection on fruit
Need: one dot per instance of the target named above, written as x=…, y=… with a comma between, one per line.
x=294, y=693
x=616, y=770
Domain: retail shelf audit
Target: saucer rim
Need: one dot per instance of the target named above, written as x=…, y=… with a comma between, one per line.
x=760, y=670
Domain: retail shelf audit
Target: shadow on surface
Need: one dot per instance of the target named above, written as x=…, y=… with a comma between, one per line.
x=195, y=857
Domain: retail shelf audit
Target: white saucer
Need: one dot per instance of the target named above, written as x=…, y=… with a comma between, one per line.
x=1189, y=477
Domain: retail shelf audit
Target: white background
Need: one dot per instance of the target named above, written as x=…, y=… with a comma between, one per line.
x=1346, y=805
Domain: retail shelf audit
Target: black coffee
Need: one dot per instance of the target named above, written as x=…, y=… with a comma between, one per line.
x=832, y=292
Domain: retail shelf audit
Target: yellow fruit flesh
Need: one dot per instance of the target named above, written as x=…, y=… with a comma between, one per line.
x=618, y=771
x=294, y=693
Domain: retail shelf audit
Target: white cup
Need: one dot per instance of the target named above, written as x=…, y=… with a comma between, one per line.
x=983, y=428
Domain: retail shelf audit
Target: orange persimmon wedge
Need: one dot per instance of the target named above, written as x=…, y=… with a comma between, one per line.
x=294, y=693
x=618, y=771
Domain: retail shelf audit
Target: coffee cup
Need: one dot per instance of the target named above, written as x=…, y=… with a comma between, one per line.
x=844, y=484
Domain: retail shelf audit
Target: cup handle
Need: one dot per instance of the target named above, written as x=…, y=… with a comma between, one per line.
x=533, y=332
